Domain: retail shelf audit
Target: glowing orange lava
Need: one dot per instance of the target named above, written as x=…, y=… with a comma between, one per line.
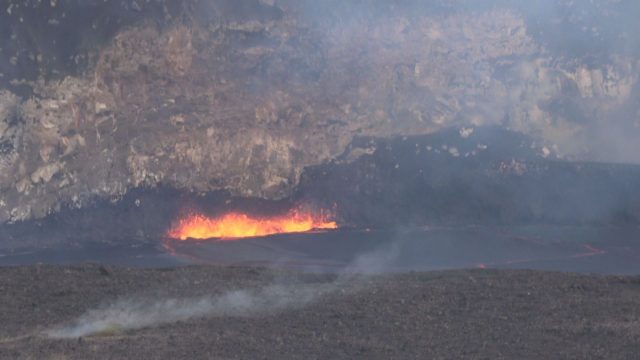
x=236, y=225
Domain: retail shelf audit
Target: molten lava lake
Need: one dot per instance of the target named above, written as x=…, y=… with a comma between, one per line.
x=589, y=249
x=237, y=225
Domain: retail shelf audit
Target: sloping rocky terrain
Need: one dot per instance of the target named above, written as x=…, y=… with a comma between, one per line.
x=97, y=98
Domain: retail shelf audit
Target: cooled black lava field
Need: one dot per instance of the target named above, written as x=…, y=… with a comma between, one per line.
x=451, y=314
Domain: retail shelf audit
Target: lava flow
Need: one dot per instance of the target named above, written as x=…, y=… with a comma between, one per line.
x=237, y=225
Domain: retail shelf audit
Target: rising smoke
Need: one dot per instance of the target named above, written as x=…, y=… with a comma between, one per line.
x=131, y=313
x=127, y=314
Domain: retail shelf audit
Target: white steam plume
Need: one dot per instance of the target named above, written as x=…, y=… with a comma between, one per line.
x=129, y=314
x=132, y=313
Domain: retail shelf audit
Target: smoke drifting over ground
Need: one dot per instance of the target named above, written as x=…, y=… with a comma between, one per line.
x=128, y=314
x=132, y=313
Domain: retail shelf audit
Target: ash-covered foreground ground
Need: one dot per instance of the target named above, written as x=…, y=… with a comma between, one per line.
x=453, y=314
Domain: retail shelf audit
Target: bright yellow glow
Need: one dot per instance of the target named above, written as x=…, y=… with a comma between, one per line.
x=236, y=225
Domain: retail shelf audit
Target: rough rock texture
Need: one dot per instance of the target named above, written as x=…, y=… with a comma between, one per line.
x=439, y=315
x=243, y=95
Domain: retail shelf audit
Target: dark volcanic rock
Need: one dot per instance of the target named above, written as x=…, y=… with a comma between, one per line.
x=452, y=177
x=460, y=314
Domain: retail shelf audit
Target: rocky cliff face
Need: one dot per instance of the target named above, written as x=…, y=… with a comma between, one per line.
x=243, y=95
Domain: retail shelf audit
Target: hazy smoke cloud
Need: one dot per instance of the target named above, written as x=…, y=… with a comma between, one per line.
x=377, y=261
x=135, y=313
x=562, y=72
x=129, y=314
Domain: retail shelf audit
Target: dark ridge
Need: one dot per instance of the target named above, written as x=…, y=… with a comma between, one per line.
x=402, y=183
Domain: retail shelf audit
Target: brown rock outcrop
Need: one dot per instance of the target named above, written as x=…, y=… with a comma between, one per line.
x=245, y=102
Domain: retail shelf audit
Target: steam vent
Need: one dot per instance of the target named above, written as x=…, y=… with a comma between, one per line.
x=284, y=179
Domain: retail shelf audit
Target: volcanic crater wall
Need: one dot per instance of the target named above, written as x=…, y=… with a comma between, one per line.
x=97, y=98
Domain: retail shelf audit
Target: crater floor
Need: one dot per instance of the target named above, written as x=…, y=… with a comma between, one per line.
x=452, y=314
